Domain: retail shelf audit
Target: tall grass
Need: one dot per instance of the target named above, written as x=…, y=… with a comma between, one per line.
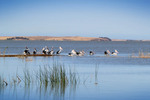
x=142, y=55
x=57, y=78
x=52, y=79
x=53, y=75
x=27, y=78
x=50, y=76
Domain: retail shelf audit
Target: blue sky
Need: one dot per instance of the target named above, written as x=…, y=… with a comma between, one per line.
x=116, y=19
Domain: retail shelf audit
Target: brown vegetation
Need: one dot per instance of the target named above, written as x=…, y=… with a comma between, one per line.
x=142, y=55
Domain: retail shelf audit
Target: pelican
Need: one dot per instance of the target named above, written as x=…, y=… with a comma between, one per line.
x=91, y=53
x=35, y=51
x=77, y=53
x=47, y=50
x=80, y=53
x=51, y=52
x=43, y=50
x=107, y=52
x=73, y=53
x=115, y=53
x=59, y=51
x=26, y=51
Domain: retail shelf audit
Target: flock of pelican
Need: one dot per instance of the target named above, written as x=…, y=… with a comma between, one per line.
x=46, y=51
x=107, y=52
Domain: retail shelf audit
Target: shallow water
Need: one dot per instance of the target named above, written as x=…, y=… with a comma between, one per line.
x=120, y=77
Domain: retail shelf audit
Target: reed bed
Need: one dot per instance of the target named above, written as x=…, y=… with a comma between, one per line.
x=27, y=77
x=53, y=75
x=56, y=75
x=55, y=78
x=142, y=55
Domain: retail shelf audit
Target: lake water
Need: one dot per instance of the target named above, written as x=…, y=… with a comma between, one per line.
x=118, y=77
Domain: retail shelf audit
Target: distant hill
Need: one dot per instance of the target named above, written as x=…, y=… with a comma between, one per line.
x=18, y=38
x=48, y=38
x=102, y=39
x=65, y=38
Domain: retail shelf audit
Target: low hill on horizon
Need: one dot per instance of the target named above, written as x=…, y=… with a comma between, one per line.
x=51, y=38
x=63, y=38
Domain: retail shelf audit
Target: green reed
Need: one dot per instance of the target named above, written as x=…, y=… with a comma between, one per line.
x=52, y=79
x=27, y=77
x=53, y=75
x=55, y=78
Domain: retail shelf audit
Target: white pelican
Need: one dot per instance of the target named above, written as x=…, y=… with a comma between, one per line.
x=47, y=50
x=51, y=52
x=107, y=52
x=35, y=51
x=91, y=53
x=115, y=53
x=43, y=50
x=73, y=53
x=80, y=53
x=26, y=51
x=59, y=51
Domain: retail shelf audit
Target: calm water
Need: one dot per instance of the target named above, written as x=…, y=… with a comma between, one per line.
x=118, y=78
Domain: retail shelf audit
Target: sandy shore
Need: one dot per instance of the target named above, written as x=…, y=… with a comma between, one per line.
x=4, y=37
